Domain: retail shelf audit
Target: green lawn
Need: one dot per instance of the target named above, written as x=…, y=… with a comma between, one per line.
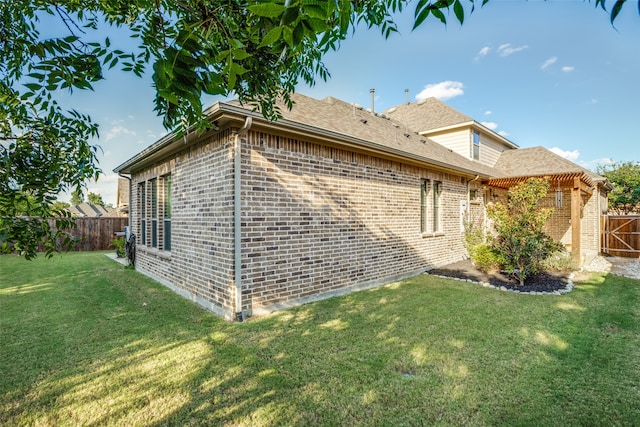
x=85, y=341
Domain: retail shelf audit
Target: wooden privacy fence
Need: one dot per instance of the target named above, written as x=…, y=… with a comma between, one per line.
x=95, y=234
x=621, y=235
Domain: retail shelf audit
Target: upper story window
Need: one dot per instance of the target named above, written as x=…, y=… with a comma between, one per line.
x=475, y=146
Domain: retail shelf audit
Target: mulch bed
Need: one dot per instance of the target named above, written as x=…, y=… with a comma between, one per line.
x=541, y=282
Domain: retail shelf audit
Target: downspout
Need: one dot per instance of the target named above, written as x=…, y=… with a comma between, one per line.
x=237, y=214
x=126, y=237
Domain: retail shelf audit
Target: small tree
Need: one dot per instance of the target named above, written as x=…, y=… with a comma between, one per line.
x=76, y=197
x=59, y=205
x=95, y=199
x=625, y=177
x=521, y=240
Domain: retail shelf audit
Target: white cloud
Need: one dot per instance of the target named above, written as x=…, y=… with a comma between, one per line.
x=106, y=186
x=443, y=90
x=490, y=125
x=506, y=49
x=549, y=62
x=568, y=69
x=116, y=131
x=483, y=52
x=593, y=164
x=593, y=101
x=503, y=133
x=488, y=113
x=108, y=178
x=569, y=155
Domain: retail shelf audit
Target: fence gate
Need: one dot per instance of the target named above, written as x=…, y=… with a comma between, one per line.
x=621, y=235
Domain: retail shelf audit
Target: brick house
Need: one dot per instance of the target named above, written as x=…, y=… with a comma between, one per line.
x=331, y=198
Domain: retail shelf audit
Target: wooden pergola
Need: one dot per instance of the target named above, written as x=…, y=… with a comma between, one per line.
x=578, y=182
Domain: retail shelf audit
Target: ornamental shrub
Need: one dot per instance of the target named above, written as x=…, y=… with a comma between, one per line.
x=520, y=239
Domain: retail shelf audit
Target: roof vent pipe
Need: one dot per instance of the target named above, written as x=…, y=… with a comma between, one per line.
x=406, y=95
x=372, y=91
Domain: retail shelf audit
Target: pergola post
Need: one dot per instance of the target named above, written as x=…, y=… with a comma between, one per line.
x=575, y=220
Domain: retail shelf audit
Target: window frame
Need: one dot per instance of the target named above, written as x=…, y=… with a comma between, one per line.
x=437, y=201
x=142, y=204
x=430, y=207
x=475, y=145
x=154, y=211
x=166, y=211
x=424, y=212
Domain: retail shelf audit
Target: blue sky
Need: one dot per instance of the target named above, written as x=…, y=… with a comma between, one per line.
x=554, y=74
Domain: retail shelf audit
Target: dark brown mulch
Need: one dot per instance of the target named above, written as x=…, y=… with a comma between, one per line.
x=541, y=282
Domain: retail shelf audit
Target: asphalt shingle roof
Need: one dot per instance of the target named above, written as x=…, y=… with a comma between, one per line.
x=427, y=114
x=396, y=132
x=334, y=115
x=537, y=161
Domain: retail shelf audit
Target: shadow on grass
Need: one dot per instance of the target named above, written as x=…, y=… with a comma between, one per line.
x=112, y=347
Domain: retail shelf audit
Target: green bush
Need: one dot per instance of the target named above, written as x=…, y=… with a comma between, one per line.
x=119, y=245
x=478, y=245
x=485, y=257
x=559, y=261
x=473, y=235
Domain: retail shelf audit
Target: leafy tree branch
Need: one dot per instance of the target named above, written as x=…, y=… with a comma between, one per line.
x=257, y=50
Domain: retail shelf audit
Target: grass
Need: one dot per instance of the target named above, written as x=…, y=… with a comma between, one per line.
x=86, y=341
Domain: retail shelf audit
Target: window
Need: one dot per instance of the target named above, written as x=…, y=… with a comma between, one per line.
x=424, y=191
x=437, y=189
x=154, y=213
x=166, y=213
x=430, y=192
x=475, y=146
x=142, y=204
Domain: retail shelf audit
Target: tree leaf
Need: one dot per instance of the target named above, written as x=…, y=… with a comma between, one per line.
x=421, y=14
x=459, y=11
x=617, y=7
x=267, y=10
x=271, y=37
x=298, y=33
x=239, y=54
